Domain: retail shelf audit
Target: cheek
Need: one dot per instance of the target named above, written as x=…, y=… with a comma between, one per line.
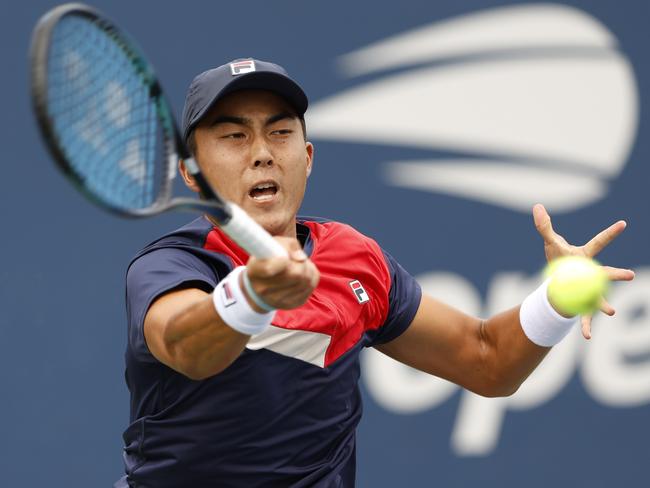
x=299, y=180
x=220, y=171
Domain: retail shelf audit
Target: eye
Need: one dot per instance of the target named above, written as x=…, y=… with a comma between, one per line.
x=233, y=135
x=282, y=132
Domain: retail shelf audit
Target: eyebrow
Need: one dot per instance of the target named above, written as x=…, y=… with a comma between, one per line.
x=231, y=119
x=280, y=116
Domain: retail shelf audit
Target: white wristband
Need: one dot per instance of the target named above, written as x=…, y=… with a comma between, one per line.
x=233, y=308
x=540, y=321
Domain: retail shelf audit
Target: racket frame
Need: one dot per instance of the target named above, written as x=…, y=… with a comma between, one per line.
x=232, y=219
x=175, y=148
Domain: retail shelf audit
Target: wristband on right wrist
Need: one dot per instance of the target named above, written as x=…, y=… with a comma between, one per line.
x=233, y=308
x=540, y=321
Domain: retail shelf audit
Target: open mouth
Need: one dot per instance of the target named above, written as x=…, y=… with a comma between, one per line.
x=264, y=191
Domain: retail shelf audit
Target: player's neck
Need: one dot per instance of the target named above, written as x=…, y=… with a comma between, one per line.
x=289, y=231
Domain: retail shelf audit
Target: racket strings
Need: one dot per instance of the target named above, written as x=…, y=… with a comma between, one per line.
x=104, y=118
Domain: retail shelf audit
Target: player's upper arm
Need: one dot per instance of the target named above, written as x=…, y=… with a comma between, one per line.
x=403, y=300
x=160, y=314
x=441, y=341
x=157, y=277
x=184, y=331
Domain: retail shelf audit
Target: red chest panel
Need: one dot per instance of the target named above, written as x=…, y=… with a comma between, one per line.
x=342, y=256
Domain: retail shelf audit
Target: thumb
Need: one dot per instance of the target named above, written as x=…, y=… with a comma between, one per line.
x=543, y=222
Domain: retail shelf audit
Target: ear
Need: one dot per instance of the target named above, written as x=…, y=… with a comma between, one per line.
x=309, y=147
x=189, y=180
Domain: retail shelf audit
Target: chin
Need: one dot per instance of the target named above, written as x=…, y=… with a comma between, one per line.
x=275, y=223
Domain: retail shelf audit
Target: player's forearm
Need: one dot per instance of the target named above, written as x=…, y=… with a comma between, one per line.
x=521, y=337
x=489, y=357
x=509, y=356
x=199, y=343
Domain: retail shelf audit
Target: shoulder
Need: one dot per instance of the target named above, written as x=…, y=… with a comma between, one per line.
x=185, y=246
x=193, y=234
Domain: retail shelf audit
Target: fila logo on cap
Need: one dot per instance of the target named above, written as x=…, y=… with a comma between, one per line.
x=358, y=290
x=241, y=67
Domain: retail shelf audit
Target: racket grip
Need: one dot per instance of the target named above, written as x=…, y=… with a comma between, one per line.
x=250, y=235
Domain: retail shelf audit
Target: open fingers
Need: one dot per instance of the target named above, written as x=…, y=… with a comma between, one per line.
x=618, y=274
x=606, y=308
x=585, y=322
x=603, y=238
x=543, y=223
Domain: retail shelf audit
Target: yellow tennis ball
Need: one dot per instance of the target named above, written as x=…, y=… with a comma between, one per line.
x=577, y=285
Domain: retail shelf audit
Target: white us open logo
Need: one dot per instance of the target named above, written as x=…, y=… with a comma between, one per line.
x=539, y=96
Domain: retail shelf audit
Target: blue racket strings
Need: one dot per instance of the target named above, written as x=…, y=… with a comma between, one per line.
x=105, y=121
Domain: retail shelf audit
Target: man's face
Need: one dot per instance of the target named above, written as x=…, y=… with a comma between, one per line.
x=251, y=149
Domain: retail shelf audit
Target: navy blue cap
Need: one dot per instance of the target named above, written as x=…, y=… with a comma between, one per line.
x=240, y=74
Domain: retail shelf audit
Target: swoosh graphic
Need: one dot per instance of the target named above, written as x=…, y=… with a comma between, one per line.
x=581, y=110
x=526, y=26
x=573, y=114
x=502, y=184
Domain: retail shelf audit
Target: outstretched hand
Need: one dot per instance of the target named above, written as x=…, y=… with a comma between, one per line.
x=556, y=246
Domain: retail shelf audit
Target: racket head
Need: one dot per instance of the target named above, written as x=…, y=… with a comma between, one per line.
x=109, y=128
x=102, y=113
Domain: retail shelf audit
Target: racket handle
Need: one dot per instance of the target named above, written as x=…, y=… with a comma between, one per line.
x=250, y=235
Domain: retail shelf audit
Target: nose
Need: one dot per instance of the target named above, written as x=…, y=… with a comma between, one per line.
x=261, y=154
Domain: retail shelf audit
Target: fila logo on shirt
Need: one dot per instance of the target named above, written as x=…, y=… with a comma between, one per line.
x=241, y=67
x=359, y=291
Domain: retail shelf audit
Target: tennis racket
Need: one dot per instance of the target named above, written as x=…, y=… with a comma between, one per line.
x=108, y=126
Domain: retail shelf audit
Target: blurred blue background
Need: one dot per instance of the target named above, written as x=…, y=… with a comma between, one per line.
x=436, y=125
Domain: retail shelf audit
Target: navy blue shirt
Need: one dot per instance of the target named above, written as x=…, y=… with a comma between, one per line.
x=285, y=412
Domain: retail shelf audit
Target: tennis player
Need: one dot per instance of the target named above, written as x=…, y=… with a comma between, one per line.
x=244, y=372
